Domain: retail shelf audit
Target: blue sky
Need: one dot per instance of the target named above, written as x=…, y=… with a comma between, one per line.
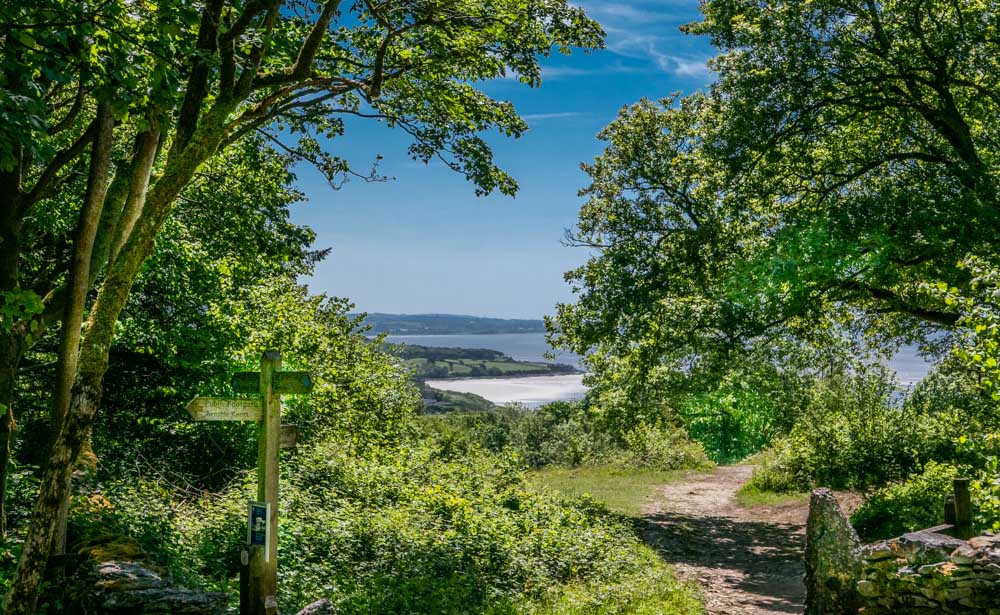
x=425, y=243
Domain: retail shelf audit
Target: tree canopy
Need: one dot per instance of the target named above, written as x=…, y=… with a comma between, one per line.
x=112, y=109
x=844, y=158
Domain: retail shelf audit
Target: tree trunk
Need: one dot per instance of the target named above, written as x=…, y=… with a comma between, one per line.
x=11, y=341
x=93, y=362
x=10, y=355
x=23, y=592
x=77, y=285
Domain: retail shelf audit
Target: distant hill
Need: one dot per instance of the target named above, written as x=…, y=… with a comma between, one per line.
x=435, y=362
x=448, y=324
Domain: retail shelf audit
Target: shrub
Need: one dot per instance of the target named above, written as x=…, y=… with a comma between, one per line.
x=409, y=530
x=731, y=423
x=772, y=472
x=858, y=431
x=983, y=455
x=914, y=504
x=564, y=434
x=661, y=448
x=135, y=520
x=414, y=532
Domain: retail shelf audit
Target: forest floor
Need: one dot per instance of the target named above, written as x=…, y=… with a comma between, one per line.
x=747, y=560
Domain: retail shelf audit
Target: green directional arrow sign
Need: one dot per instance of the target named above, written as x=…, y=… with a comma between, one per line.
x=282, y=383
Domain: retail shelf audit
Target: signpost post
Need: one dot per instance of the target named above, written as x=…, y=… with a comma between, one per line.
x=262, y=516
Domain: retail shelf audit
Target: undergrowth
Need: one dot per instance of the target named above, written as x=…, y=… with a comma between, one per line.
x=413, y=529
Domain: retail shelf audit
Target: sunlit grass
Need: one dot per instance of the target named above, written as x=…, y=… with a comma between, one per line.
x=748, y=496
x=623, y=490
x=653, y=591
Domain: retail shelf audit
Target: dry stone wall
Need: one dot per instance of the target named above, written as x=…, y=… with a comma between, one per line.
x=128, y=588
x=926, y=572
x=917, y=573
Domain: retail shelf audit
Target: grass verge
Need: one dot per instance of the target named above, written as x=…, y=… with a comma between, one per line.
x=749, y=496
x=625, y=491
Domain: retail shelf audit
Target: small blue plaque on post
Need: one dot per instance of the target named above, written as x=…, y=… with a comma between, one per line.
x=257, y=516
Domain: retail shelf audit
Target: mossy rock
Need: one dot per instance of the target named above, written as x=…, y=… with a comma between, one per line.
x=111, y=547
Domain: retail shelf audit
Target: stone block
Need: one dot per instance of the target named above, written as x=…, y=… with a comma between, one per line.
x=320, y=607
x=926, y=547
x=833, y=558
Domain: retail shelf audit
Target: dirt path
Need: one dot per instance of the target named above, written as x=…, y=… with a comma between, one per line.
x=748, y=561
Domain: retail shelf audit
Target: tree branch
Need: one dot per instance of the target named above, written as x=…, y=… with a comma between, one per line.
x=898, y=304
x=197, y=88
x=244, y=85
x=71, y=115
x=303, y=64
x=51, y=172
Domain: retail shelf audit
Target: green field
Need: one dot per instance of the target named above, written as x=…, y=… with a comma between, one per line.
x=474, y=368
x=430, y=362
x=624, y=491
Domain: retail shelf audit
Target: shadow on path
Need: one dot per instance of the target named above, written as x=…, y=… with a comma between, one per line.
x=745, y=567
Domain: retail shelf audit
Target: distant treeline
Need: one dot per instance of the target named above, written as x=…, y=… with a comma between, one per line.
x=448, y=324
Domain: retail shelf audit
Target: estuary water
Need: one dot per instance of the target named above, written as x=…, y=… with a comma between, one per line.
x=531, y=391
x=535, y=391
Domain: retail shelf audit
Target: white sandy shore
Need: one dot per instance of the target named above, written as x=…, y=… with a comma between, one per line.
x=531, y=391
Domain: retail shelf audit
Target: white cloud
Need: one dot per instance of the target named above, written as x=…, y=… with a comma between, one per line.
x=562, y=72
x=686, y=67
x=650, y=47
x=539, y=117
x=631, y=13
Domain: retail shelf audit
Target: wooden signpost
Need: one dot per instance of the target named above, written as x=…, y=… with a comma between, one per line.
x=270, y=383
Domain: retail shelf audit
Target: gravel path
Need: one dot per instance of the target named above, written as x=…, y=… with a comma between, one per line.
x=748, y=561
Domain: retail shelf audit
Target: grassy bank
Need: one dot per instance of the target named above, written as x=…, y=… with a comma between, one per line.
x=748, y=497
x=626, y=491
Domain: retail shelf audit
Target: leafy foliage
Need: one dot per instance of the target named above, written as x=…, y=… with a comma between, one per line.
x=918, y=501
x=912, y=505
x=979, y=321
x=858, y=431
x=564, y=434
x=744, y=413
x=842, y=161
x=982, y=454
x=408, y=529
x=112, y=117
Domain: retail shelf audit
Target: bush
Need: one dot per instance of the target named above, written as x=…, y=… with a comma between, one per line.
x=660, y=448
x=854, y=433
x=137, y=520
x=772, y=473
x=408, y=530
x=418, y=533
x=858, y=431
x=915, y=504
x=731, y=423
x=983, y=455
x=564, y=434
